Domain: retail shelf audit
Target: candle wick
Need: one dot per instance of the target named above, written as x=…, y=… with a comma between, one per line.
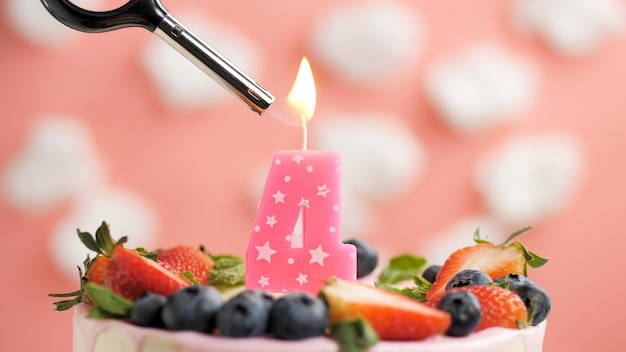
x=304, y=132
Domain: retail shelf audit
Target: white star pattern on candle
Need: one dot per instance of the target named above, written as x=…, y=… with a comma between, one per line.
x=271, y=220
x=278, y=197
x=318, y=255
x=302, y=279
x=322, y=190
x=264, y=281
x=298, y=158
x=265, y=252
x=304, y=203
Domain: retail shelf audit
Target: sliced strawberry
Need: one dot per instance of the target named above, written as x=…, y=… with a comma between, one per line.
x=392, y=316
x=129, y=274
x=495, y=260
x=187, y=259
x=499, y=307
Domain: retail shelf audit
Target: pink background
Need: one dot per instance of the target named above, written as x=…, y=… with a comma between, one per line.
x=192, y=166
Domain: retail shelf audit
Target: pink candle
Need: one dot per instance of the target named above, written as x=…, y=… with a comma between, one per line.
x=295, y=243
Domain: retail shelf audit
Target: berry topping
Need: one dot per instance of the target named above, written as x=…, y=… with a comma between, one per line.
x=468, y=277
x=495, y=260
x=392, y=316
x=192, y=308
x=298, y=315
x=131, y=275
x=535, y=298
x=366, y=257
x=147, y=310
x=245, y=315
x=189, y=259
x=464, y=310
x=430, y=273
x=499, y=307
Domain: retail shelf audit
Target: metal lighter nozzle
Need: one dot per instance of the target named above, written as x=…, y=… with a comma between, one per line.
x=214, y=64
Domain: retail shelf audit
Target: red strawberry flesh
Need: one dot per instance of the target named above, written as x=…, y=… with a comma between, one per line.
x=130, y=275
x=499, y=307
x=187, y=259
x=496, y=261
x=392, y=316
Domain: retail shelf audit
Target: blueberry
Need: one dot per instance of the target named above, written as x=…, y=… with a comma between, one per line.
x=366, y=257
x=430, y=274
x=468, y=277
x=298, y=315
x=147, y=310
x=245, y=315
x=192, y=308
x=464, y=310
x=536, y=299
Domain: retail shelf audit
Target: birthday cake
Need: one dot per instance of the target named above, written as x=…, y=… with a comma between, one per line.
x=183, y=299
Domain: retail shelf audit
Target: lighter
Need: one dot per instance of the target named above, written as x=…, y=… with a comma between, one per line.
x=151, y=15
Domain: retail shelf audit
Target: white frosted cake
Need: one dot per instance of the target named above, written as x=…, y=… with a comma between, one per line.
x=182, y=299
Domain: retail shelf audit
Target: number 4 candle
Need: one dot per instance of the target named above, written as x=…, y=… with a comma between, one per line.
x=295, y=243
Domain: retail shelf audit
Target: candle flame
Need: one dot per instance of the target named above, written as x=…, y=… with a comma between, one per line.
x=302, y=96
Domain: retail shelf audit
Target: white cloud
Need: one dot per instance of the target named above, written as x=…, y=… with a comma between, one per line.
x=571, y=27
x=530, y=176
x=481, y=87
x=363, y=42
x=30, y=20
x=183, y=85
x=380, y=155
x=58, y=162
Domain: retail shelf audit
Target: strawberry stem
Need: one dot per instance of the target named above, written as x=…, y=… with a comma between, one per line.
x=516, y=233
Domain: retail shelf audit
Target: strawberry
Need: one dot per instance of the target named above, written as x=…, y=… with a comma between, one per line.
x=130, y=275
x=495, y=260
x=392, y=316
x=187, y=259
x=103, y=244
x=499, y=307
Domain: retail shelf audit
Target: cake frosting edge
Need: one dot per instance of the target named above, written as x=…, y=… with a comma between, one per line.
x=104, y=335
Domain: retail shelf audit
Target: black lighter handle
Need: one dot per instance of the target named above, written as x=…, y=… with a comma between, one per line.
x=151, y=15
x=135, y=13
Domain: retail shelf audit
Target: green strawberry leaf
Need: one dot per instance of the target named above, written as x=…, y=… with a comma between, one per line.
x=417, y=292
x=152, y=255
x=76, y=298
x=87, y=239
x=228, y=271
x=354, y=335
x=108, y=302
x=99, y=313
x=532, y=259
x=189, y=276
x=103, y=238
x=400, y=268
x=477, y=237
x=103, y=243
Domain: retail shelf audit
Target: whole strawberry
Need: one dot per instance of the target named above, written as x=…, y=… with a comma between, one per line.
x=391, y=315
x=129, y=274
x=495, y=260
x=187, y=259
x=103, y=244
x=499, y=307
